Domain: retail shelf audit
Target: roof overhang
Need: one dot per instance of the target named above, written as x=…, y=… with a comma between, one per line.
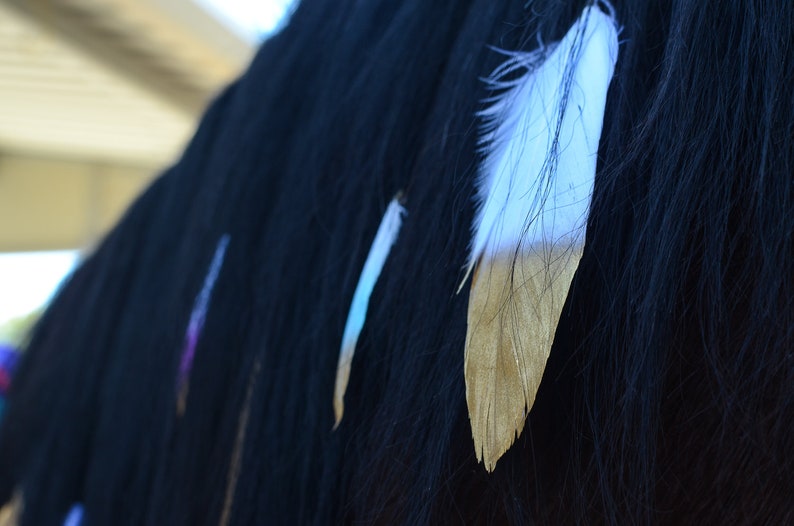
x=112, y=80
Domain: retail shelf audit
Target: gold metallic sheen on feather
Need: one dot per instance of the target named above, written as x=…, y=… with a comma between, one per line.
x=514, y=305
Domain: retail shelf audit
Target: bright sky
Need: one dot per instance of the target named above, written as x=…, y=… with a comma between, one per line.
x=28, y=280
x=254, y=19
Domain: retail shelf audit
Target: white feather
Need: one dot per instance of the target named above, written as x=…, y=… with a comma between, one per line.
x=541, y=141
x=378, y=253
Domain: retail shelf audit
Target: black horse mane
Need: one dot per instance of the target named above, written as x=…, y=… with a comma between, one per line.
x=669, y=394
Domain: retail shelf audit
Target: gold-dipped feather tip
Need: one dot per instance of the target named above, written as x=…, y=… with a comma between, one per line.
x=342, y=379
x=515, y=304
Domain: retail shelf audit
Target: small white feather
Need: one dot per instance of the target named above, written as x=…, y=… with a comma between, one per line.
x=385, y=238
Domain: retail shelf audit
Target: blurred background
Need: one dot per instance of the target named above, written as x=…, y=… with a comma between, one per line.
x=96, y=97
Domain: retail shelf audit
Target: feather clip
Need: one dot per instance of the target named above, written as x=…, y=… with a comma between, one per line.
x=540, y=138
x=385, y=238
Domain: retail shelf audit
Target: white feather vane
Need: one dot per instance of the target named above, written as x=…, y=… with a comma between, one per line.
x=540, y=140
x=385, y=238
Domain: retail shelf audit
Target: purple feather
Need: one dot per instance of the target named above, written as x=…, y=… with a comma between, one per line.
x=197, y=317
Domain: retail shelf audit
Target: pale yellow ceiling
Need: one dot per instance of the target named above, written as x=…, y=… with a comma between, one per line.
x=112, y=80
